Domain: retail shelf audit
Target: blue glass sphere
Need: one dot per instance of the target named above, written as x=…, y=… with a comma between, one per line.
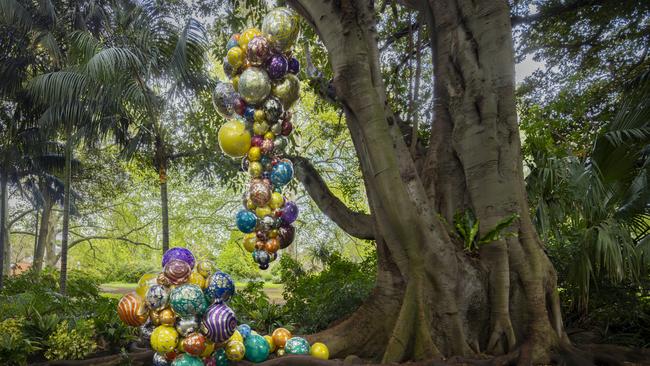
x=220, y=287
x=249, y=113
x=244, y=330
x=246, y=221
x=281, y=173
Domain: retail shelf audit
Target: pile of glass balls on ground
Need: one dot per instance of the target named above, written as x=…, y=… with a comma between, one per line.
x=256, y=102
x=182, y=314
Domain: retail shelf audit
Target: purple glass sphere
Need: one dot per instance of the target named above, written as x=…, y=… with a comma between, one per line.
x=277, y=66
x=289, y=212
x=179, y=253
x=219, y=323
x=294, y=66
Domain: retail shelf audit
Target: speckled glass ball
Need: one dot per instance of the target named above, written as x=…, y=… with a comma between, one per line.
x=297, y=346
x=179, y=253
x=289, y=212
x=258, y=50
x=145, y=332
x=281, y=25
x=235, y=350
x=249, y=113
x=194, y=344
x=246, y=220
x=287, y=127
x=281, y=173
x=276, y=66
x=205, y=267
x=220, y=287
x=188, y=301
x=273, y=110
x=159, y=359
x=186, y=326
x=187, y=360
x=267, y=146
x=157, y=297
x=280, y=143
x=177, y=271
x=254, y=85
x=259, y=192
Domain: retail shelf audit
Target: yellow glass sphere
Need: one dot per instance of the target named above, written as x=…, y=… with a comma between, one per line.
x=246, y=37
x=236, y=57
x=276, y=200
x=197, y=279
x=273, y=233
x=269, y=340
x=205, y=267
x=250, y=204
x=167, y=316
x=319, y=350
x=260, y=128
x=255, y=169
x=237, y=336
x=254, y=153
x=259, y=116
x=249, y=245
x=234, y=139
x=146, y=281
x=269, y=135
x=154, y=316
x=280, y=352
x=209, y=348
x=235, y=351
x=263, y=211
x=164, y=339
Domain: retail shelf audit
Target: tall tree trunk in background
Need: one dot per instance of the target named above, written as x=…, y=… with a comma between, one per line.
x=164, y=208
x=51, y=256
x=4, y=238
x=432, y=298
x=43, y=236
x=66, y=207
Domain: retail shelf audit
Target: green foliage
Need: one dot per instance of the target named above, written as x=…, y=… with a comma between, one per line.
x=89, y=318
x=253, y=307
x=14, y=347
x=316, y=299
x=71, y=343
x=467, y=227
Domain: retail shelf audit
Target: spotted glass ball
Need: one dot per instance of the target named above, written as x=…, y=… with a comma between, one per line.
x=297, y=346
x=188, y=300
x=179, y=253
x=220, y=287
x=159, y=359
x=287, y=90
x=223, y=99
x=157, y=297
x=258, y=50
x=186, y=326
x=246, y=220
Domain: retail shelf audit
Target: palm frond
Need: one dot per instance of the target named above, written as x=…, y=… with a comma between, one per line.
x=12, y=13
x=59, y=87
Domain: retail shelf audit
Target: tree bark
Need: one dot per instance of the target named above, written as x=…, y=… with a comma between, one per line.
x=164, y=203
x=66, y=208
x=4, y=232
x=43, y=232
x=432, y=299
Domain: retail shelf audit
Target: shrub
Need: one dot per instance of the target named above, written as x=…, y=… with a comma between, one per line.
x=14, y=347
x=71, y=343
x=315, y=300
x=253, y=307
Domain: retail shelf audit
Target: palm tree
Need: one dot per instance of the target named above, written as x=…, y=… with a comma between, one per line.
x=111, y=82
x=598, y=210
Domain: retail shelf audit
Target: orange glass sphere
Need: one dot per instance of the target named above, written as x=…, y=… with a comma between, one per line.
x=272, y=245
x=194, y=344
x=280, y=337
x=131, y=310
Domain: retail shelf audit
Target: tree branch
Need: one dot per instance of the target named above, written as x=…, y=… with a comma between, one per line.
x=399, y=35
x=356, y=224
x=16, y=218
x=553, y=11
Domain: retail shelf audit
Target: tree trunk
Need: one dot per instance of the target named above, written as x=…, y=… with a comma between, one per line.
x=4, y=237
x=66, y=208
x=43, y=232
x=432, y=298
x=51, y=256
x=164, y=203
